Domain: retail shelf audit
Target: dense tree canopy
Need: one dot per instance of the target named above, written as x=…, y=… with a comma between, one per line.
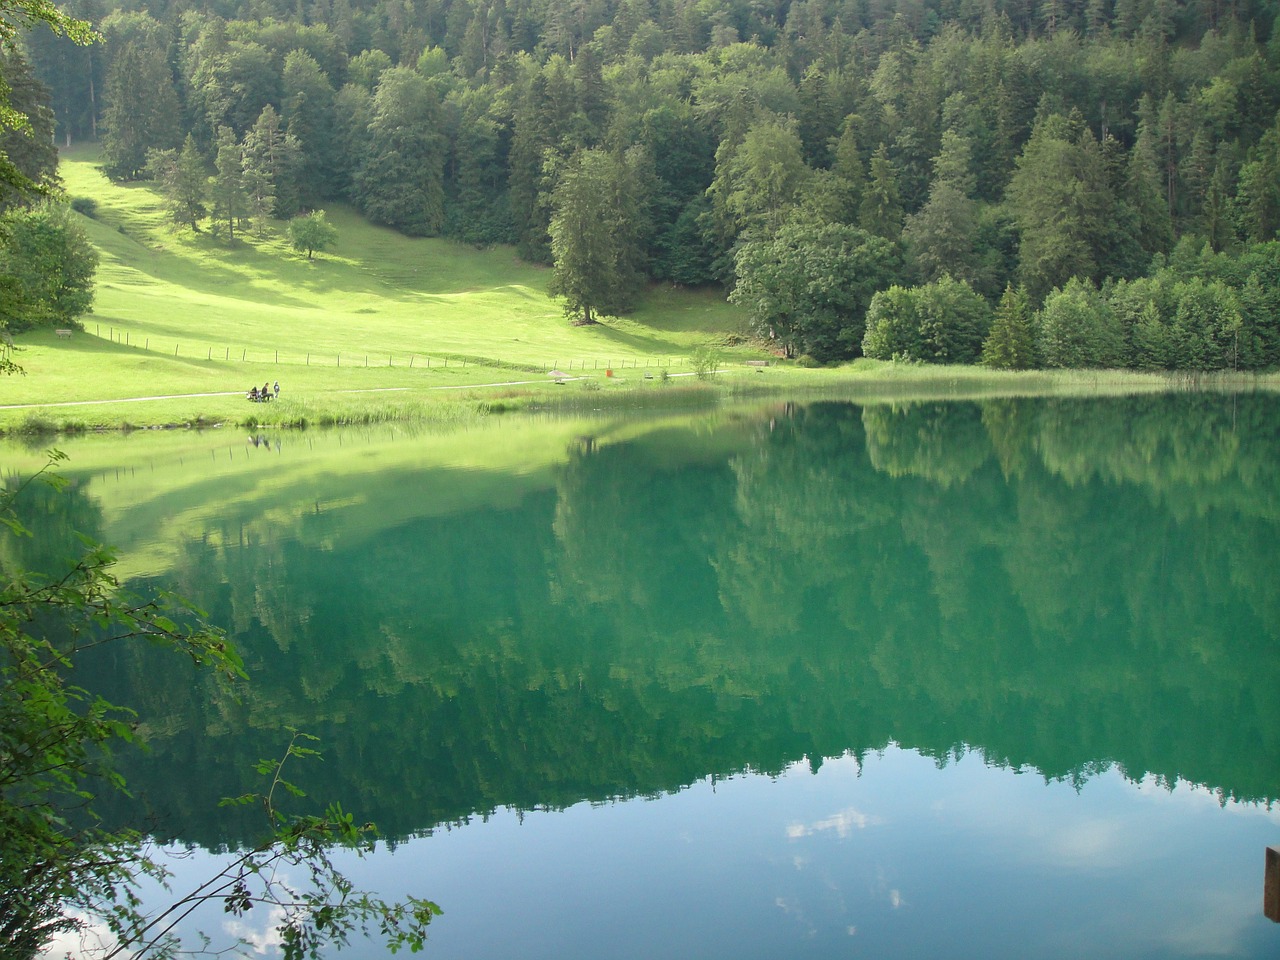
x=807, y=287
x=1006, y=144
x=46, y=267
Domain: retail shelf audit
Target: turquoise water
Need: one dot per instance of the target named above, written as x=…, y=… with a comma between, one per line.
x=957, y=679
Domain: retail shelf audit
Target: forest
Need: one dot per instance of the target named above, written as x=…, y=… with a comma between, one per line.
x=1068, y=183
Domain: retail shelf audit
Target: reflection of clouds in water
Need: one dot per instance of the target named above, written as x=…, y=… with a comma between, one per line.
x=1089, y=843
x=795, y=910
x=1193, y=795
x=895, y=899
x=263, y=940
x=93, y=939
x=843, y=823
x=1199, y=931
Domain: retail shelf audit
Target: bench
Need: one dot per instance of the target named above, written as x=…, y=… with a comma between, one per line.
x=757, y=363
x=63, y=334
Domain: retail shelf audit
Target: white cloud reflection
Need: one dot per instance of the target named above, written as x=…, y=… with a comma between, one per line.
x=93, y=938
x=843, y=823
x=260, y=940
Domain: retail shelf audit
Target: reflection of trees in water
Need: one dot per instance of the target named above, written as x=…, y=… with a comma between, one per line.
x=1058, y=584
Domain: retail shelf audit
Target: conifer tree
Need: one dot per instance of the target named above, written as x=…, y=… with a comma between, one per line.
x=228, y=198
x=881, y=209
x=183, y=182
x=142, y=111
x=271, y=163
x=1010, y=345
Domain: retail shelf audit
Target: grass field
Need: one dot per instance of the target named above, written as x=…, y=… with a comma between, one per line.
x=181, y=313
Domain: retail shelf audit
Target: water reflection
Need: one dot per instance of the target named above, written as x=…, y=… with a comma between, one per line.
x=1064, y=587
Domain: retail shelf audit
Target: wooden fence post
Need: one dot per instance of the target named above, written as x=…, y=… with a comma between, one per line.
x=1271, y=886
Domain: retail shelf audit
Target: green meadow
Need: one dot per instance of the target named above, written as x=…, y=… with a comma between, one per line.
x=379, y=327
x=388, y=328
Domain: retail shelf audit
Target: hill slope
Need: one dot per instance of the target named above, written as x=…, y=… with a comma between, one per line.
x=181, y=313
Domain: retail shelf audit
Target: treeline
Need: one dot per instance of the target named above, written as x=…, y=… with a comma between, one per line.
x=1005, y=146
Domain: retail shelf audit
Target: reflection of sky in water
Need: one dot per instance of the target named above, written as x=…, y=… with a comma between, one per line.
x=898, y=859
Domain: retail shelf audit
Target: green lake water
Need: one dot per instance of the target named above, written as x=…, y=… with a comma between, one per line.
x=994, y=679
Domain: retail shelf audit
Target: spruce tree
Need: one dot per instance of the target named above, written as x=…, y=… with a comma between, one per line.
x=1010, y=345
x=227, y=195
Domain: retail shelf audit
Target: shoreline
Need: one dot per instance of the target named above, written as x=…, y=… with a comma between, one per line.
x=865, y=381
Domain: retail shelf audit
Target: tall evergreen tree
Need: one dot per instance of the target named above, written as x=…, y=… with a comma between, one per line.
x=28, y=149
x=308, y=113
x=1010, y=344
x=941, y=237
x=272, y=159
x=881, y=209
x=1259, y=188
x=1060, y=200
x=400, y=181
x=142, y=110
x=1146, y=184
x=598, y=232
x=183, y=182
x=228, y=199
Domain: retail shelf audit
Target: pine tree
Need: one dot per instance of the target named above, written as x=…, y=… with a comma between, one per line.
x=142, y=111
x=183, y=181
x=228, y=199
x=599, y=232
x=1146, y=191
x=1010, y=344
x=271, y=165
x=881, y=209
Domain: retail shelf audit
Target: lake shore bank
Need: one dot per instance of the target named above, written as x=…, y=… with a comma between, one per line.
x=359, y=394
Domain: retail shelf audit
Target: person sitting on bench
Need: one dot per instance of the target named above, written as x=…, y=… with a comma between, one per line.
x=253, y=393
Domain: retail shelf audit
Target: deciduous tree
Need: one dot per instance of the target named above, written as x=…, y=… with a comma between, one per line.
x=312, y=233
x=48, y=266
x=1078, y=329
x=808, y=286
x=60, y=873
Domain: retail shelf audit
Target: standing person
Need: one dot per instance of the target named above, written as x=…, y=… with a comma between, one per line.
x=277, y=389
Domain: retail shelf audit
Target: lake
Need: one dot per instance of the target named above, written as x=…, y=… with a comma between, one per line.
x=971, y=679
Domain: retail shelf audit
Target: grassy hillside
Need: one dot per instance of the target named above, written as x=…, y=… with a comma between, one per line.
x=178, y=313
